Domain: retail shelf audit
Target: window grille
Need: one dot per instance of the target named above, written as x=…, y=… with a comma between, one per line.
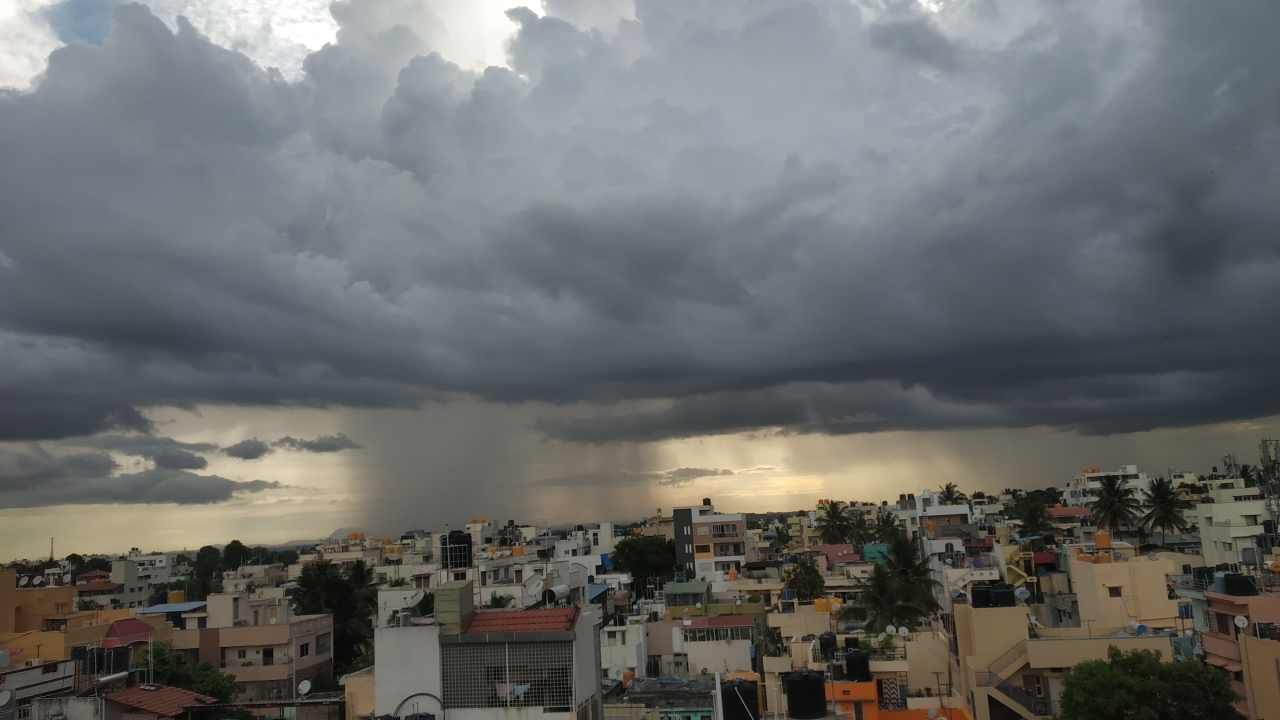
x=489, y=675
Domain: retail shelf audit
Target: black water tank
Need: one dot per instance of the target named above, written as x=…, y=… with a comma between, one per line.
x=740, y=700
x=850, y=641
x=981, y=596
x=857, y=666
x=1239, y=585
x=806, y=695
x=827, y=645
x=1002, y=596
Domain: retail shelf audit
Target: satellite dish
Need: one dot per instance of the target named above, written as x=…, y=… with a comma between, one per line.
x=880, y=637
x=904, y=631
x=1141, y=630
x=1189, y=632
x=5, y=697
x=1022, y=594
x=37, y=580
x=22, y=581
x=890, y=630
x=66, y=578
x=1242, y=622
x=304, y=687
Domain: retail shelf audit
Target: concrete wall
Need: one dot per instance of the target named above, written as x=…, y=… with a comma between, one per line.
x=719, y=655
x=1261, y=658
x=1065, y=653
x=927, y=654
x=407, y=661
x=627, y=650
x=358, y=693
x=1144, y=595
x=68, y=708
x=586, y=657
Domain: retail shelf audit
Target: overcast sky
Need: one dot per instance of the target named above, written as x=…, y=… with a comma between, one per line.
x=268, y=269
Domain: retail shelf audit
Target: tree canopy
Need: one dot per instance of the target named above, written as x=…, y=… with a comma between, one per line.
x=1165, y=508
x=1138, y=686
x=834, y=523
x=324, y=588
x=171, y=668
x=1116, y=506
x=646, y=557
x=805, y=580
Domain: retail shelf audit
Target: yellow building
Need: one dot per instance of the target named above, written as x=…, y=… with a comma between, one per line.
x=1260, y=658
x=1115, y=590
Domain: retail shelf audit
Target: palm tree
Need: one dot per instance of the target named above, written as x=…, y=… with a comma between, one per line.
x=834, y=523
x=950, y=494
x=900, y=592
x=1034, y=517
x=1116, y=505
x=1164, y=508
x=886, y=527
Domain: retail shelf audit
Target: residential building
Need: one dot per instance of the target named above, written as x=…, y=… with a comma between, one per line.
x=25, y=609
x=1083, y=488
x=665, y=698
x=1229, y=522
x=624, y=648
x=720, y=643
x=27, y=681
x=1236, y=610
x=469, y=663
x=152, y=568
x=247, y=578
x=1260, y=661
x=1003, y=669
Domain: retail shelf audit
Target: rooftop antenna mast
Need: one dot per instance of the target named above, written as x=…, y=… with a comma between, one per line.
x=1269, y=474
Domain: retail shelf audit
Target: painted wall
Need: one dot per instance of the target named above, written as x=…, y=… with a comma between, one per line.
x=407, y=661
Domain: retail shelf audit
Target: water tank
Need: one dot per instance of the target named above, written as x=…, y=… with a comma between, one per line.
x=980, y=597
x=827, y=645
x=1237, y=584
x=740, y=700
x=806, y=695
x=857, y=666
x=850, y=641
x=1003, y=596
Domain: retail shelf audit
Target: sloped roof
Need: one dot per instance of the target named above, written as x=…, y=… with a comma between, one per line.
x=518, y=621
x=160, y=700
x=1060, y=512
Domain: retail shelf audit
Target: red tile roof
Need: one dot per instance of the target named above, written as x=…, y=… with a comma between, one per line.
x=518, y=621
x=719, y=621
x=98, y=586
x=160, y=700
x=838, y=553
x=1060, y=512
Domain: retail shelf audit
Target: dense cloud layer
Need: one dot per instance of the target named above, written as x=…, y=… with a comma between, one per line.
x=803, y=215
x=35, y=477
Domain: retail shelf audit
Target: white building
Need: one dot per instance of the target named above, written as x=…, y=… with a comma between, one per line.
x=1083, y=488
x=624, y=648
x=482, y=664
x=153, y=568
x=31, y=680
x=1231, y=523
x=719, y=643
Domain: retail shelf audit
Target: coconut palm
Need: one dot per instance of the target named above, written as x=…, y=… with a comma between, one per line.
x=886, y=527
x=834, y=523
x=950, y=494
x=1165, y=508
x=899, y=592
x=1116, y=506
x=1033, y=515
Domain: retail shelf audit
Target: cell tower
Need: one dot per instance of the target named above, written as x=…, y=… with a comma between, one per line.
x=1269, y=474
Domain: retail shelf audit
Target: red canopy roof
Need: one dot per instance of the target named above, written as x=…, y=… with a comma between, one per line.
x=126, y=632
x=516, y=621
x=160, y=700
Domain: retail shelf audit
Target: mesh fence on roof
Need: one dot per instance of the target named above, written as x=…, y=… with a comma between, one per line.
x=528, y=674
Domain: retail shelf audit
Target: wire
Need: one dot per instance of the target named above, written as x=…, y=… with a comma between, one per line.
x=738, y=692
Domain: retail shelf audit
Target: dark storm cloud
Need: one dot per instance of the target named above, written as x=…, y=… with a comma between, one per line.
x=34, y=477
x=795, y=215
x=677, y=477
x=322, y=444
x=249, y=449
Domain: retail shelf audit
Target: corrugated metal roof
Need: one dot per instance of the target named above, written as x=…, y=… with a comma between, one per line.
x=164, y=608
x=160, y=700
x=518, y=621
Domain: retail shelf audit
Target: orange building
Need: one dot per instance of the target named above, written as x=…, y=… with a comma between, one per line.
x=861, y=701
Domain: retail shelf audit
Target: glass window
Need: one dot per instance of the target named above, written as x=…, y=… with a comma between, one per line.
x=304, y=649
x=1115, y=591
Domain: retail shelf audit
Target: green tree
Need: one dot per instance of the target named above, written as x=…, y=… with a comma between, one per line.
x=1165, y=508
x=805, y=580
x=174, y=669
x=886, y=528
x=949, y=494
x=1033, y=515
x=781, y=538
x=1116, y=506
x=834, y=522
x=235, y=554
x=324, y=588
x=646, y=557
x=1138, y=686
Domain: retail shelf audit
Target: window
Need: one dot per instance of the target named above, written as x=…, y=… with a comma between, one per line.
x=704, y=530
x=702, y=548
x=268, y=656
x=1115, y=591
x=324, y=643
x=49, y=669
x=304, y=649
x=240, y=654
x=460, y=575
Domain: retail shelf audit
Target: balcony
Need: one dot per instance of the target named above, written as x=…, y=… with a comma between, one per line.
x=1220, y=645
